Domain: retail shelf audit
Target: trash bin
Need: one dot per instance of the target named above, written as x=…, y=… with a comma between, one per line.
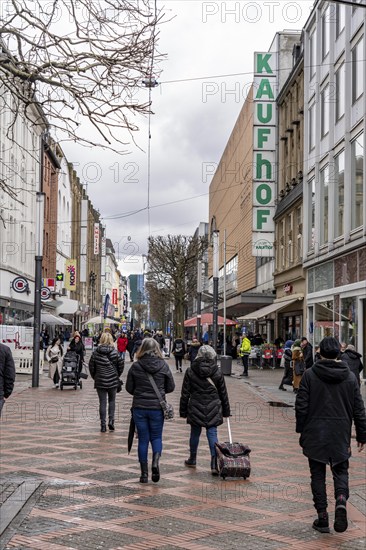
x=226, y=364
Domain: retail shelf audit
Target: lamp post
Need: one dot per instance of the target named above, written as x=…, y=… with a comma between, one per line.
x=199, y=298
x=215, y=265
x=38, y=280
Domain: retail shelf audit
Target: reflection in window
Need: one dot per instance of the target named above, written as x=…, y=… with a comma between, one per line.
x=357, y=182
x=348, y=331
x=311, y=211
x=325, y=322
x=324, y=203
x=357, y=70
x=340, y=92
x=339, y=194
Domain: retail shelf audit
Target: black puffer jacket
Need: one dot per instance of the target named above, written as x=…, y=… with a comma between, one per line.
x=139, y=385
x=193, y=350
x=328, y=400
x=201, y=403
x=353, y=360
x=105, y=367
x=7, y=372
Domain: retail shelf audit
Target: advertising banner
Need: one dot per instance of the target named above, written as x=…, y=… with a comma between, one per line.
x=114, y=296
x=96, y=238
x=70, y=274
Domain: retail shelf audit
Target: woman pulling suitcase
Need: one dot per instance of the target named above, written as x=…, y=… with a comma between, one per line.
x=204, y=402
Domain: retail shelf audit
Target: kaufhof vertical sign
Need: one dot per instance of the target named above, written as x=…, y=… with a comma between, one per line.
x=264, y=152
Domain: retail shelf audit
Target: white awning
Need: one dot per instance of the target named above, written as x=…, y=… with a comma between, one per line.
x=264, y=311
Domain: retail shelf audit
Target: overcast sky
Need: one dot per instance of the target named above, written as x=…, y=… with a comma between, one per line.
x=191, y=124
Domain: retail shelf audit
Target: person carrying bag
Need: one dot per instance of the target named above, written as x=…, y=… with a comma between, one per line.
x=149, y=405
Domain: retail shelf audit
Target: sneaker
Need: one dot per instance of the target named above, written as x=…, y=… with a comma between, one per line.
x=340, y=518
x=322, y=523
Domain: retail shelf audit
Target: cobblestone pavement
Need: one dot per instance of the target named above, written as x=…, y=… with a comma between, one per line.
x=81, y=489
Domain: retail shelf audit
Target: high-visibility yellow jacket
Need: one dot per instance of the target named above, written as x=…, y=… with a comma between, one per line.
x=245, y=347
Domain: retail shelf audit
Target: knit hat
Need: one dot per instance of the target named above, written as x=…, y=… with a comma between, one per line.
x=297, y=343
x=289, y=344
x=207, y=352
x=329, y=348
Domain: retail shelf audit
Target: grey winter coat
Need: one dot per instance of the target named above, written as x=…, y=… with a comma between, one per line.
x=202, y=403
x=328, y=400
x=105, y=367
x=139, y=385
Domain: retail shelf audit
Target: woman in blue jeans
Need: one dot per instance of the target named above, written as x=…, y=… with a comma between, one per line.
x=204, y=402
x=146, y=409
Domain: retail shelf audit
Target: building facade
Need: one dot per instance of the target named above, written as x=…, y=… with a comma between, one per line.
x=334, y=248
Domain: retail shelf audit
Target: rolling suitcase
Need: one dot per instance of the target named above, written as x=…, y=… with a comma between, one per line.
x=232, y=458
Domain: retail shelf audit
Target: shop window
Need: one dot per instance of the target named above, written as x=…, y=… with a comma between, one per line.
x=324, y=323
x=349, y=320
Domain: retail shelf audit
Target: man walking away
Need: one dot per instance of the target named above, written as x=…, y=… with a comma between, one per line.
x=353, y=360
x=7, y=374
x=245, y=350
x=328, y=400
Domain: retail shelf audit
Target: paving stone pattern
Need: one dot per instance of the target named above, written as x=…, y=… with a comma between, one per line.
x=91, y=498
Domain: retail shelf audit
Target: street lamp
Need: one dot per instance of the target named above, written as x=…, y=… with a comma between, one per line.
x=38, y=284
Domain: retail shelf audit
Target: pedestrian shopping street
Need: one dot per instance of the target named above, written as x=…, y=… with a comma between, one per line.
x=77, y=488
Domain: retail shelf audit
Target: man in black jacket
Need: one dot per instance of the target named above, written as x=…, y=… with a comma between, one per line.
x=7, y=374
x=307, y=350
x=328, y=400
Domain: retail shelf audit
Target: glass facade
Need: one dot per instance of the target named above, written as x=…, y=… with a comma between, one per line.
x=357, y=182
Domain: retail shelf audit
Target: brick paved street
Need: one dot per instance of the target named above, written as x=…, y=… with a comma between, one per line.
x=81, y=489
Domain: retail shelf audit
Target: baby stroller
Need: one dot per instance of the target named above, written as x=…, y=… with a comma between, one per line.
x=70, y=374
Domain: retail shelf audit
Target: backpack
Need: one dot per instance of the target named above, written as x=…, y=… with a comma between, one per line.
x=178, y=347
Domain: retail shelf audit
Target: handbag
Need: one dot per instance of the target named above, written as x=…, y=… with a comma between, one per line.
x=168, y=409
x=84, y=372
x=54, y=359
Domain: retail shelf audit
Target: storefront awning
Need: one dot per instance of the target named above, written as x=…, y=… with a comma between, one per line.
x=264, y=311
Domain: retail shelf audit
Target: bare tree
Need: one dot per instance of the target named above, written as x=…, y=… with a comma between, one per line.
x=140, y=310
x=81, y=63
x=170, y=261
x=159, y=300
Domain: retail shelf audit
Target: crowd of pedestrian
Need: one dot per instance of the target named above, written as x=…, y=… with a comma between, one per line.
x=326, y=384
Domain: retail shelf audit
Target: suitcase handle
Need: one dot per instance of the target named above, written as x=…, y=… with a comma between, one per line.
x=229, y=430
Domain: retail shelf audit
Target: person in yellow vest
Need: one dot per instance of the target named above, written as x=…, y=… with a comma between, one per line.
x=245, y=350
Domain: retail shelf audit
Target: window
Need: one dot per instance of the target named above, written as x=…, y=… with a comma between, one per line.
x=325, y=111
x=299, y=233
x=357, y=177
x=289, y=240
x=357, y=70
x=324, y=203
x=282, y=245
x=340, y=18
x=311, y=211
x=312, y=47
x=339, y=195
x=340, y=91
x=325, y=33
x=311, y=128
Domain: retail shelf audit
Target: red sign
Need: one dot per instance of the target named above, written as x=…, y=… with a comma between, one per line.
x=114, y=296
x=49, y=283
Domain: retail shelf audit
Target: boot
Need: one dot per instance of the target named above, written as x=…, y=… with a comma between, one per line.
x=155, y=472
x=191, y=462
x=103, y=427
x=322, y=523
x=144, y=478
x=111, y=425
x=340, y=518
x=282, y=388
x=214, y=470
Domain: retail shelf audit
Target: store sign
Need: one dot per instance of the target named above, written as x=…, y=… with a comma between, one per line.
x=264, y=153
x=49, y=283
x=20, y=284
x=114, y=296
x=96, y=238
x=70, y=274
x=45, y=293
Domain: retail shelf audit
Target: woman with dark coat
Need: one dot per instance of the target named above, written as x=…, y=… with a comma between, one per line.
x=204, y=402
x=146, y=409
x=105, y=367
x=78, y=347
x=179, y=351
x=327, y=402
x=353, y=360
x=193, y=350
